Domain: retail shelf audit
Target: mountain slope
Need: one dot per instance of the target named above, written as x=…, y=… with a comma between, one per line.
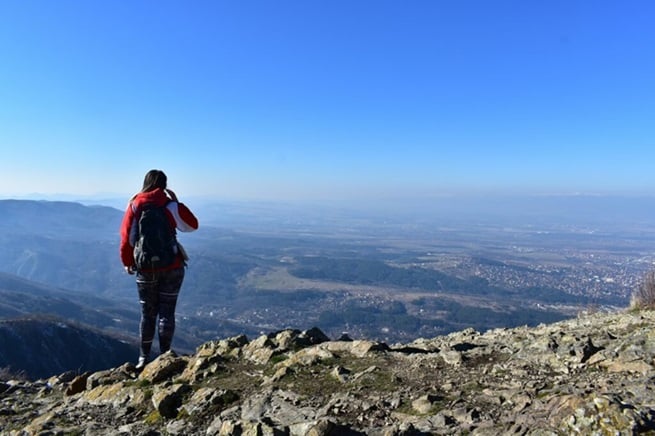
x=45, y=331
x=42, y=346
x=20, y=297
x=64, y=244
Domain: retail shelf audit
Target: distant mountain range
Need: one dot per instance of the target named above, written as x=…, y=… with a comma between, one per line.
x=59, y=220
x=65, y=245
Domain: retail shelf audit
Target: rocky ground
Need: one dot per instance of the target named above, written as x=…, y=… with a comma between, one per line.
x=591, y=375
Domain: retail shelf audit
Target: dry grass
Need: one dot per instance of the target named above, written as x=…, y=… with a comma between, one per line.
x=644, y=296
x=7, y=374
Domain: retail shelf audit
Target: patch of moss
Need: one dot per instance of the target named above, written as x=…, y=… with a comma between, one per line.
x=147, y=393
x=239, y=376
x=143, y=383
x=182, y=413
x=378, y=381
x=311, y=383
x=278, y=358
x=153, y=418
x=407, y=409
x=229, y=397
x=471, y=387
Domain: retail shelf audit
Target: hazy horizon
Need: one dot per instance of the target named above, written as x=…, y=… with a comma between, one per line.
x=625, y=212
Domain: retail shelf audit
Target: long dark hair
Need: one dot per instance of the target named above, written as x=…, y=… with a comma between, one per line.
x=154, y=179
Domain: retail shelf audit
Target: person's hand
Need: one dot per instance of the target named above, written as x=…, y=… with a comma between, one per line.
x=130, y=270
x=171, y=195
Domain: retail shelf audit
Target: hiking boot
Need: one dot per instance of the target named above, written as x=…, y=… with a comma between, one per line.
x=141, y=363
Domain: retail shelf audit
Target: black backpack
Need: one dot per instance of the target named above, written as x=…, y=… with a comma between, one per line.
x=156, y=244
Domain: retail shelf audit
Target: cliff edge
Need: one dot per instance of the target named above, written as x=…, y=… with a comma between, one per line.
x=594, y=374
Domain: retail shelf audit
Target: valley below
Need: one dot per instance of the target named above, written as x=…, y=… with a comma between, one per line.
x=385, y=277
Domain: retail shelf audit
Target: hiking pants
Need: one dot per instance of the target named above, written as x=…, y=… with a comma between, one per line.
x=158, y=293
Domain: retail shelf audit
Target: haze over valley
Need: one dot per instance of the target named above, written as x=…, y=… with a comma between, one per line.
x=375, y=273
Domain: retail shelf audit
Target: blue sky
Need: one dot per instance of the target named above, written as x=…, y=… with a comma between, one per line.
x=328, y=99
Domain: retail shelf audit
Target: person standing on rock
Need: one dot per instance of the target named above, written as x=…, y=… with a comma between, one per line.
x=149, y=249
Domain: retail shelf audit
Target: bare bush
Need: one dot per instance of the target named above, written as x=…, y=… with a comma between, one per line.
x=644, y=297
x=6, y=374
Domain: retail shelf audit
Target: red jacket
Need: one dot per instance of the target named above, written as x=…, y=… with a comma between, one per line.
x=180, y=217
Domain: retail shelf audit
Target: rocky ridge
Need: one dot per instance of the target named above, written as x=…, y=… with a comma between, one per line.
x=594, y=374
